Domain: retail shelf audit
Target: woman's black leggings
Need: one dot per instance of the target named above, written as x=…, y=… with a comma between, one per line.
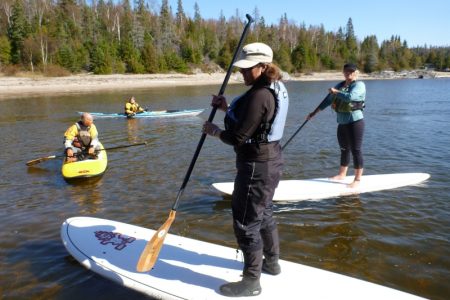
x=350, y=137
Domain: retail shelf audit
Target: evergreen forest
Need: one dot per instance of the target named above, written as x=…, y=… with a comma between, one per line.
x=104, y=36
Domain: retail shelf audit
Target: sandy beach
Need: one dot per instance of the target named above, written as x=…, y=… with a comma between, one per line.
x=23, y=86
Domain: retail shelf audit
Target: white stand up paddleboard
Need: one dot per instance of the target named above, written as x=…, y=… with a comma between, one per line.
x=192, y=269
x=321, y=188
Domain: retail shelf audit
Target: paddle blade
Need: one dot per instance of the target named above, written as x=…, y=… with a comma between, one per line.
x=39, y=160
x=151, y=251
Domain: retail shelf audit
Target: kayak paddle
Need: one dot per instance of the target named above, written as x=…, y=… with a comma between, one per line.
x=41, y=159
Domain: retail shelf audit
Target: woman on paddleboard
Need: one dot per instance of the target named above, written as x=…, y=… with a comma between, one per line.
x=347, y=99
x=254, y=124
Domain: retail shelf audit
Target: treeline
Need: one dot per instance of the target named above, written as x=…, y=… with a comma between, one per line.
x=104, y=37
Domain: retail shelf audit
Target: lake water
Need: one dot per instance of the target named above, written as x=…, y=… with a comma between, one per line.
x=397, y=238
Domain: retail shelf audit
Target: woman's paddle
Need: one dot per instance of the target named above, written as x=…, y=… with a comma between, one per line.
x=151, y=250
x=304, y=123
x=39, y=160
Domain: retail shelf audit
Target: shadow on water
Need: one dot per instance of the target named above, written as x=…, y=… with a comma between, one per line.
x=40, y=171
x=222, y=204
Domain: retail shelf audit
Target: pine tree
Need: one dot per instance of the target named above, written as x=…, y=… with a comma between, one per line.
x=351, y=42
x=17, y=32
x=5, y=51
x=211, y=45
x=167, y=36
x=102, y=60
x=369, y=54
x=174, y=62
x=180, y=18
x=197, y=15
x=225, y=56
x=221, y=28
x=283, y=58
x=150, y=57
x=341, y=52
x=256, y=24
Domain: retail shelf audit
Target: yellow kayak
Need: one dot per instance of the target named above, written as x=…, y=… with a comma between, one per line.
x=85, y=168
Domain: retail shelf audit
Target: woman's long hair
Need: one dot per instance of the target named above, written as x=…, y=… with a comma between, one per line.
x=271, y=74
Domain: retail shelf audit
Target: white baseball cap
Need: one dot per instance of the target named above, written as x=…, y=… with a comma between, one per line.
x=253, y=54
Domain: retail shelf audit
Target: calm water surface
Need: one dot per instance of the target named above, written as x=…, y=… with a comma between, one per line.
x=398, y=238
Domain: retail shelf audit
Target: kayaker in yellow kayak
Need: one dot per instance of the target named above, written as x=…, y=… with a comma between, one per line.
x=80, y=138
x=132, y=108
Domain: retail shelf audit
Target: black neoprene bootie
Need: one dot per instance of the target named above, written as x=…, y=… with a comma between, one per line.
x=271, y=266
x=244, y=288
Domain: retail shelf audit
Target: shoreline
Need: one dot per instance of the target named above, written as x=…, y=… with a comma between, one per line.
x=23, y=86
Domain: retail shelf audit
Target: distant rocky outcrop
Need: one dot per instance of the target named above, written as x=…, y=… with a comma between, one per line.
x=410, y=74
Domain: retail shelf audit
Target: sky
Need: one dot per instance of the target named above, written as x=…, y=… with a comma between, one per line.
x=416, y=21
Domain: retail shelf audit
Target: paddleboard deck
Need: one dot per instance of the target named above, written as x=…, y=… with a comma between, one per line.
x=322, y=188
x=192, y=269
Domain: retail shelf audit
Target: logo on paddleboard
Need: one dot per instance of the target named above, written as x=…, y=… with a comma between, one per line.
x=118, y=240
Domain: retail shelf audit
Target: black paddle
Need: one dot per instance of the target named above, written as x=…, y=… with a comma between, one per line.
x=39, y=160
x=304, y=123
x=151, y=250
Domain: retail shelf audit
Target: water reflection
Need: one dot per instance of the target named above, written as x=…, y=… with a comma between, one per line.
x=133, y=127
x=87, y=193
x=40, y=170
x=346, y=240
